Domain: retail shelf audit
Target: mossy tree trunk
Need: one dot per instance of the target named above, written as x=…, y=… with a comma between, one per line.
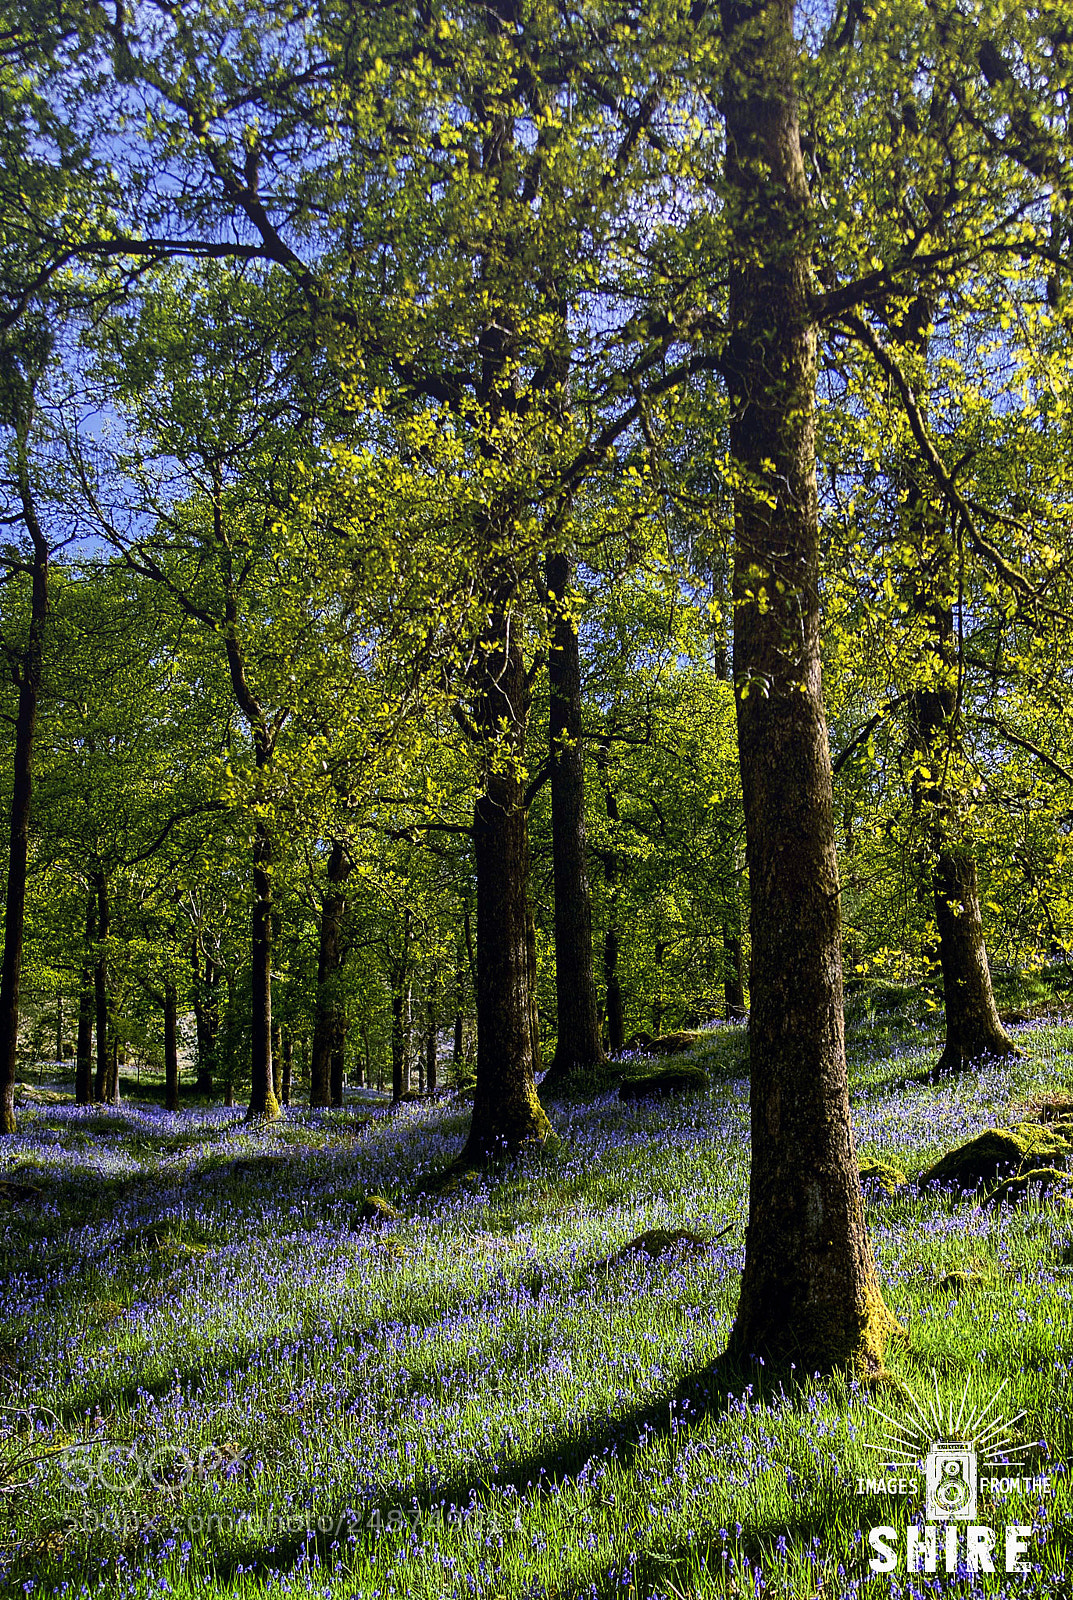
x=809, y=1289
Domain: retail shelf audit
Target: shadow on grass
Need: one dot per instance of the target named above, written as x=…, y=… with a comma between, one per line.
x=700, y=1396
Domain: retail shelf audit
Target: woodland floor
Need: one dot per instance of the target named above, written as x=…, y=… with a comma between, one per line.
x=217, y=1377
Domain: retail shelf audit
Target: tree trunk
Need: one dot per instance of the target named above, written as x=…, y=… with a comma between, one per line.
x=288, y=1065
x=431, y=1038
x=263, y=1102
x=84, y=1048
x=398, y=1042
x=102, y=1085
x=338, y=1073
x=733, y=974
x=506, y=1110
x=29, y=680
x=531, y=966
x=577, y=1044
x=277, y=1061
x=329, y=1023
x=973, y=1028
x=207, y=1018
x=657, y=999
x=171, y=1047
x=809, y=1290
x=613, y=1007
x=616, y=1022
x=111, y=1087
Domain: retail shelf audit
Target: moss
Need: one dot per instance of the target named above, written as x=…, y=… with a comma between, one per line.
x=960, y=1280
x=1042, y=1183
x=878, y=1177
x=999, y=1153
x=683, y=1079
x=377, y=1211
x=659, y=1242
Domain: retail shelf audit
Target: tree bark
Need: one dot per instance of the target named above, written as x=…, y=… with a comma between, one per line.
x=84, y=1048
x=338, y=1073
x=613, y=1006
x=973, y=1028
x=171, y=1047
x=506, y=1110
x=657, y=999
x=263, y=1102
x=329, y=1024
x=577, y=1044
x=29, y=681
x=733, y=973
x=277, y=1061
x=400, y=971
x=106, y=1085
x=809, y=1290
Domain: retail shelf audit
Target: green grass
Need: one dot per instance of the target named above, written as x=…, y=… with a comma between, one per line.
x=469, y=1400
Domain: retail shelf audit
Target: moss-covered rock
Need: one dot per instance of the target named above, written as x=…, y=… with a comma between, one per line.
x=659, y=1242
x=992, y=1156
x=683, y=1079
x=962, y=1280
x=879, y=1178
x=1042, y=1183
x=1041, y=1139
x=377, y=1211
x=667, y=1044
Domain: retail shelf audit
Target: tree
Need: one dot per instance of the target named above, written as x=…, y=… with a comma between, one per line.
x=810, y=1286
x=23, y=358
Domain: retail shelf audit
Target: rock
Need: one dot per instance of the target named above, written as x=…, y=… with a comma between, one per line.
x=878, y=1177
x=668, y=1044
x=1043, y=1183
x=684, y=1079
x=659, y=1242
x=961, y=1279
x=377, y=1211
x=991, y=1156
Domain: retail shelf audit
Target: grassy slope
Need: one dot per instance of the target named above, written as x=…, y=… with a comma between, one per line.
x=467, y=1402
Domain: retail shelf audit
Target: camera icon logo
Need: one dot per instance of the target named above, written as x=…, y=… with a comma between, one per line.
x=950, y=1479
